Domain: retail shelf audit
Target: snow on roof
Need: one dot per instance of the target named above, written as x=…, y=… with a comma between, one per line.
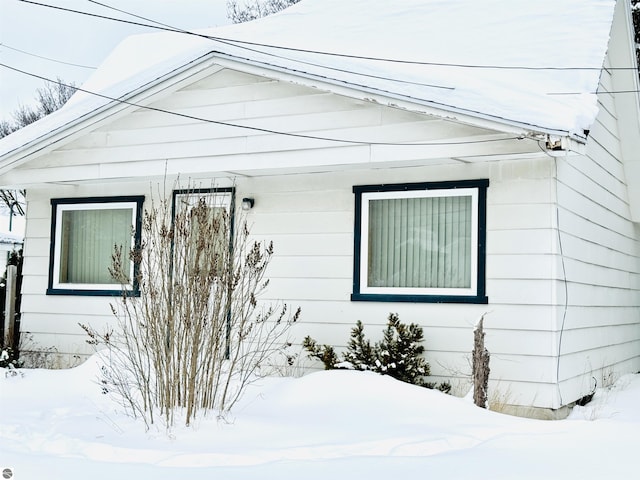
x=531, y=64
x=9, y=238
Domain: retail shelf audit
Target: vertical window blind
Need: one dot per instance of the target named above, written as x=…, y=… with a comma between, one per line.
x=88, y=238
x=422, y=242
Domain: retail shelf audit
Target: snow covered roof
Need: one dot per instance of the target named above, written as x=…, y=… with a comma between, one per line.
x=8, y=238
x=535, y=65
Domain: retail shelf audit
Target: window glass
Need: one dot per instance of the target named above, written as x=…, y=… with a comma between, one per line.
x=420, y=242
x=88, y=242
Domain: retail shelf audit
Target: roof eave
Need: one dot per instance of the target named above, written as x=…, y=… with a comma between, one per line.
x=113, y=106
x=391, y=99
x=202, y=65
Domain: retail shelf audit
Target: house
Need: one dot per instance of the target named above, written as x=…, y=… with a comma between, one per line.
x=509, y=136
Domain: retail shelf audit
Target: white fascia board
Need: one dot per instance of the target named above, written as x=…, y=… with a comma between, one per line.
x=137, y=98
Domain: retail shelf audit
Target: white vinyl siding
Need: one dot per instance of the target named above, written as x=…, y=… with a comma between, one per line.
x=304, y=204
x=599, y=332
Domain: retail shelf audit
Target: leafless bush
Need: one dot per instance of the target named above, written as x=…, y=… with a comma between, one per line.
x=196, y=335
x=34, y=355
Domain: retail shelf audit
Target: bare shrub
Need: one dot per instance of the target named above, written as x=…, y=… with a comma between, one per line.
x=34, y=355
x=196, y=335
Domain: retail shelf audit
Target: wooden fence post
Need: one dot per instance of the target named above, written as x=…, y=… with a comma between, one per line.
x=10, y=307
x=480, y=366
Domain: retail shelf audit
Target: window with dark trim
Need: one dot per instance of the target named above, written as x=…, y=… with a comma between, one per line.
x=219, y=202
x=420, y=242
x=84, y=235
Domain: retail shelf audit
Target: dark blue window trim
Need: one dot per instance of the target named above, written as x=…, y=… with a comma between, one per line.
x=232, y=210
x=232, y=203
x=480, y=296
x=188, y=191
x=138, y=200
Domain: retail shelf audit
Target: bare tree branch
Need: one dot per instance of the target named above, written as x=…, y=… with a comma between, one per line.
x=253, y=9
x=49, y=98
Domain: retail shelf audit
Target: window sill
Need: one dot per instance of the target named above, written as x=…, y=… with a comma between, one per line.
x=363, y=297
x=90, y=293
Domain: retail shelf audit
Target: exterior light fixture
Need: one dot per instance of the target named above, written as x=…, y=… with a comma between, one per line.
x=247, y=203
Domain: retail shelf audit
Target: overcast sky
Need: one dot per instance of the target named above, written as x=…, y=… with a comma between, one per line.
x=78, y=39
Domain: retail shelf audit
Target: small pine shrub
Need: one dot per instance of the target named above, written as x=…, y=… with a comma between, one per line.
x=398, y=354
x=360, y=355
x=325, y=353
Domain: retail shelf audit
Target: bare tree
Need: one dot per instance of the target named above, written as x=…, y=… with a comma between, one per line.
x=25, y=115
x=51, y=97
x=253, y=9
x=5, y=128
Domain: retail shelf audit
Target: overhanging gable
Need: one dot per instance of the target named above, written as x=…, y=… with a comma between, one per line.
x=235, y=123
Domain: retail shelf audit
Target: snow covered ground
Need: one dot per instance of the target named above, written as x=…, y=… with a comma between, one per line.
x=55, y=424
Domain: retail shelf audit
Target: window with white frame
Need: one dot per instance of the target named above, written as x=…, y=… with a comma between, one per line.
x=86, y=233
x=420, y=242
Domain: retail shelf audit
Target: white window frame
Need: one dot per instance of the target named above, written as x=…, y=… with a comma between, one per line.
x=364, y=244
x=81, y=204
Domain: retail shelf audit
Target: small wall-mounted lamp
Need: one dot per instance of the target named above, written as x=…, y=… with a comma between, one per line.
x=247, y=203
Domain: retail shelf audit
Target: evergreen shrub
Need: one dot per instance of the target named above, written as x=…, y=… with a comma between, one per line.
x=398, y=354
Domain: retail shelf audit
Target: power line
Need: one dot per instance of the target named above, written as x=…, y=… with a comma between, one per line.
x=178, y=30
x=258, y=129
x=240, y=43
x=45, y=58
x=231, y=43
x=134, y=15
x=606, y=92
x=342, y=70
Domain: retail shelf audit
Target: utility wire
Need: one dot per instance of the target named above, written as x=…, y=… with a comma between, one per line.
x=604, y=92
x=239, y=43
x=179, y=30
x=110, y=7
x=258, y=129
x=230, y=42
x=45, y=58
